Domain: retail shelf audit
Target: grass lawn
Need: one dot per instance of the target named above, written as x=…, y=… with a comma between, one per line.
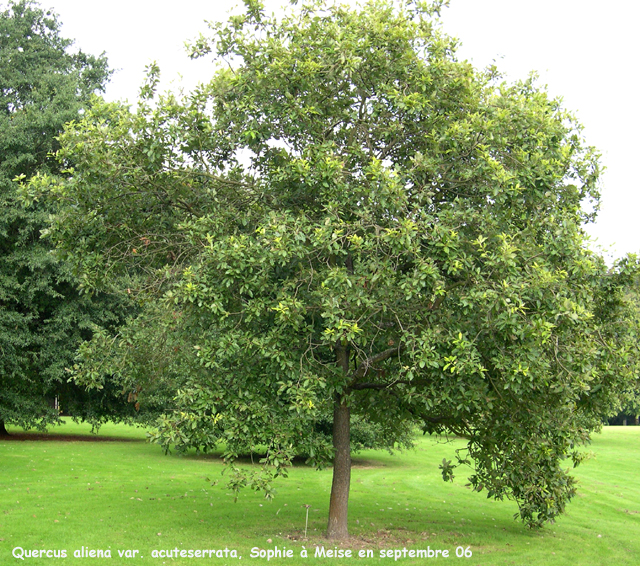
x=125, y=494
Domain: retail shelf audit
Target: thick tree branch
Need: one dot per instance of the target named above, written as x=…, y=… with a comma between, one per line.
x=367, y=364
x=376, y=386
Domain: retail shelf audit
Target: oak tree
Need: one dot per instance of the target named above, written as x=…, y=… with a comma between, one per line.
x=348, y=222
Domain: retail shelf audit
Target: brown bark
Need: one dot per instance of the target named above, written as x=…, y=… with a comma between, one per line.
x=339, y=503
x=3, y=430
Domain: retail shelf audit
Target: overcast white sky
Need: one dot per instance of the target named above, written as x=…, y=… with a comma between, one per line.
x=585, y=51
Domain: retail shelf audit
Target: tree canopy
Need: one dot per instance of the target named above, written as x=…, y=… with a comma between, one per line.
x=347, y=221
x=43, y=319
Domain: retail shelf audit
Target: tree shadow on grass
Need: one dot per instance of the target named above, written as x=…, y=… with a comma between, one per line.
x=357, y=462
x=42, y=436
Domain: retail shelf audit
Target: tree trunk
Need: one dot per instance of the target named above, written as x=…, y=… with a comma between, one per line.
x=624, y=421
x=3, y=430
x=339, y=503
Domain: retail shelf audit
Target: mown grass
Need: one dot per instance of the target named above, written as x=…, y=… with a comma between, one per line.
x=128, y=495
